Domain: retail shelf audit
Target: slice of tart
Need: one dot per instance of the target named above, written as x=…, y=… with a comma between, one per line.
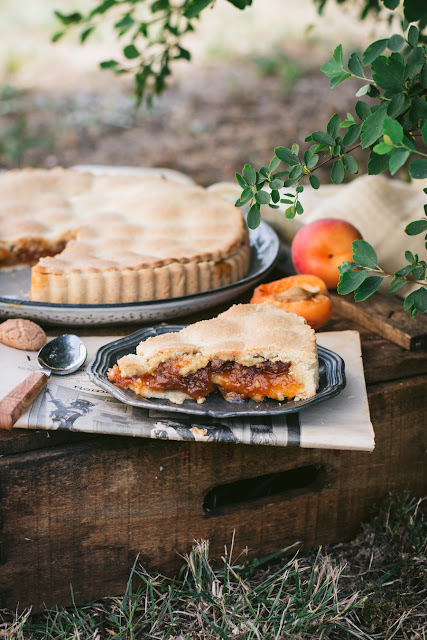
x=249, y=351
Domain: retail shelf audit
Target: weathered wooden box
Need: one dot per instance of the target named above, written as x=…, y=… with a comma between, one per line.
x=76, y=509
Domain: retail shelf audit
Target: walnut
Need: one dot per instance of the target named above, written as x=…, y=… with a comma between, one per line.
x=22, y=334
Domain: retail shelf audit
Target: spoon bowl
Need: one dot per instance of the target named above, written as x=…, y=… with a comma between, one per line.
x=61, y=356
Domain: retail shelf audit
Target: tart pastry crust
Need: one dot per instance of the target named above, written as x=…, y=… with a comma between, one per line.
x=249, y=351
x=108, y=239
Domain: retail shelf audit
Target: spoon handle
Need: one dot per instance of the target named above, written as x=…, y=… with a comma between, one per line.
x=14, y=404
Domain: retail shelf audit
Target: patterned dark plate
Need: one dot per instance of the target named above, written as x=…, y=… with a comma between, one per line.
x=332, y=381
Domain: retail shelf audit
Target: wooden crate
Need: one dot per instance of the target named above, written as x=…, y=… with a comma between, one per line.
x=76, y=509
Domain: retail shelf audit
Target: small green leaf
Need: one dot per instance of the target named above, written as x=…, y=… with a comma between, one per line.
x=372, y=127
x=131, y=52
x=276, y=184
x=373, y=51
x=367, y=288
x=416, y=227
x=349, y=163
x=313, y=161
x=280, y=175
x=356, y=66
x=337, y=55
x=57, y=36
x=241, y=180
x=249, y=174
x=409, y=256
x=409, y=300
x=393, y=129
x=350, y=280
x=286, y=155
x=396, y=42
x=246, y=195
x=254, y=217
x=295, y=148
x=337, y=172
x=333, y=126
x=420, y=300
x=364, y=254
x=363, y=110
x=321, y=137
x=382, y=148
x=404, y=271
x=70, y=18
x=308, y=154
x=296, y=172
x=275, y=195
x=424, y=132
x=262, y=197
x=396, y=284
x=314, y=181
x=299, y=208
x=108, y=64
x=413, y=35
x=363, y=90
x=418, y=169
x=290, y=213
x=274, y=163
x=397, y=160
x=338, y=78
x=352, y=135
x=85, y=34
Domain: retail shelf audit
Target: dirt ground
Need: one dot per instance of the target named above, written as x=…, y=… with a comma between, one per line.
x=207, y=125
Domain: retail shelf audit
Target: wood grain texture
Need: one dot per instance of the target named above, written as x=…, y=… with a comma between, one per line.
x=80, y=513
x=384, y=315
x=14, y=404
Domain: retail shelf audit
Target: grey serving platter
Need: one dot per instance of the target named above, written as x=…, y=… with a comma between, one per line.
x=16, y=283
x=331, y=369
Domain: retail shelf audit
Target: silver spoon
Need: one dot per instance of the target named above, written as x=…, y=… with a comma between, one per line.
x=62, y=355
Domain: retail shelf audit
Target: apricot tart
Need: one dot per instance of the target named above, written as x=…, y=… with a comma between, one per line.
x=249, y=351
x=107, y=239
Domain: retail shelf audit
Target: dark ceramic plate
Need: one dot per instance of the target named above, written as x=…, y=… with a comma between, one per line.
x=331, y=368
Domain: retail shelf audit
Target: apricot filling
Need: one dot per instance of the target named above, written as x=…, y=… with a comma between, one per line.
x=233, y=380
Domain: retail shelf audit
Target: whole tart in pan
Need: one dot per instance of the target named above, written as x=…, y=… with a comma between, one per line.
x=108, y=239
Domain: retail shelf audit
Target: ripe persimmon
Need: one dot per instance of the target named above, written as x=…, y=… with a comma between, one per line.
x=304, y=294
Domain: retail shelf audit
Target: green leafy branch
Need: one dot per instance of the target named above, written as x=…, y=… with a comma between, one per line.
x=151, y=33
x=389, y=129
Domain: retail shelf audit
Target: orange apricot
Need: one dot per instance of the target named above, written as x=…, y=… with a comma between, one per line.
x=304, y=294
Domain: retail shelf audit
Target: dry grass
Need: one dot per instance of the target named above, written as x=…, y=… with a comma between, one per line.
x=374, y=587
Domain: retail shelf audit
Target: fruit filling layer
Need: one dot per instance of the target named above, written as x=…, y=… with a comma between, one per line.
x=29, y=251
x=233, y=380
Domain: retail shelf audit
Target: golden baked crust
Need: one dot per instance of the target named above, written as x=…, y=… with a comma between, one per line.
x=255, y=338
x=106, y=239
